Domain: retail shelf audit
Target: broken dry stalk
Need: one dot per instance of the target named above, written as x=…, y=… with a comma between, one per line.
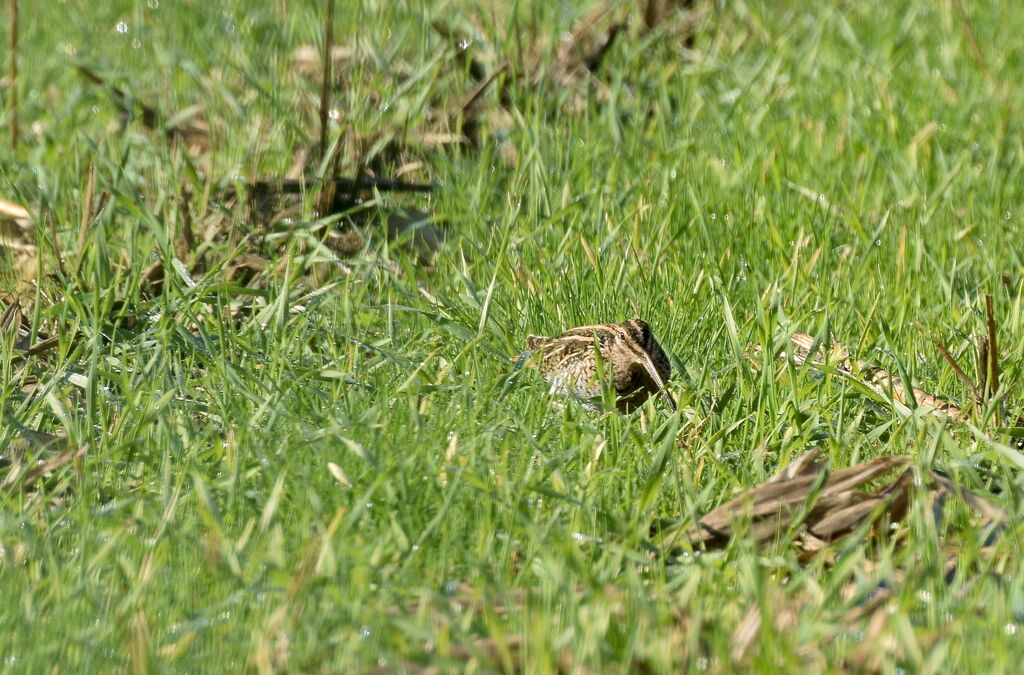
x=325, y=84
x=964, y=377
x=983, y=366
x=971, y=36
x=83, y=225
x=992, y=365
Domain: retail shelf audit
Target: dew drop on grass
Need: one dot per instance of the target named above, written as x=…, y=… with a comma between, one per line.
x=464, y=44
x=365, y=632
x=1007, y=215
x=136, y=43
x=714, y=216
x=1010, y=629
x=70, y=49
x=152, y=4
x=121, y=27
x=95, y=109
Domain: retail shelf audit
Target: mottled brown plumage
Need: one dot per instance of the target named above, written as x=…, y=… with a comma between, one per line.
x=632, y=360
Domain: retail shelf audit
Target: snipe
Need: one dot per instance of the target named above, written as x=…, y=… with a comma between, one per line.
x=631, y=359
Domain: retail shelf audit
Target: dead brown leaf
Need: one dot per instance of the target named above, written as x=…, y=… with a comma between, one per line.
x=826, y=505
x=17, y=228
x=806, y=347
x=308, y=59
x=188, y=126
x=32, y=455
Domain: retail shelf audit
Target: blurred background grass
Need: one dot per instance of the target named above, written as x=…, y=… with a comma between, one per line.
x=843, y=167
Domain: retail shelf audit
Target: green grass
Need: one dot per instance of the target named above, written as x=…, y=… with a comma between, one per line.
x=204, y=530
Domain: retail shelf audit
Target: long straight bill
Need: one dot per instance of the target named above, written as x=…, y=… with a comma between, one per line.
x=662, y=387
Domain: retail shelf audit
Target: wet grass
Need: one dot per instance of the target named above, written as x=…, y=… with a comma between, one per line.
x=313, y=484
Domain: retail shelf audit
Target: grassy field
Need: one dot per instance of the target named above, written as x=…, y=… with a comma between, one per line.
x=333, y=466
